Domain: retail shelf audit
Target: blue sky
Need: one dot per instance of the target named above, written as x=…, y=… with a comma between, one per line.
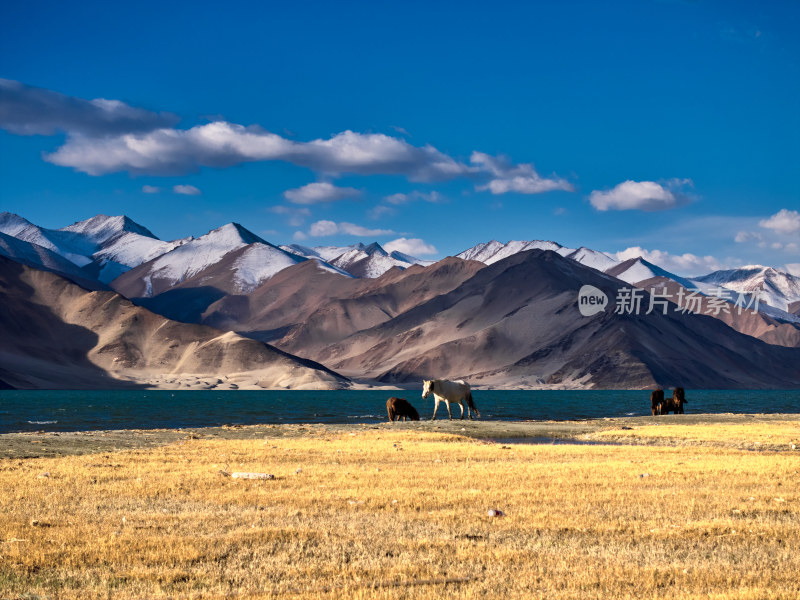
x=670, y=128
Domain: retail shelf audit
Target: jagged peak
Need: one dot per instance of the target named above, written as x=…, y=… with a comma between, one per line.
x=105, y=227
x=234, y=230
x=374, y=248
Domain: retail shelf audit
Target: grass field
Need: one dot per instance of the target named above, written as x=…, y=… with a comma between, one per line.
x=687, y=512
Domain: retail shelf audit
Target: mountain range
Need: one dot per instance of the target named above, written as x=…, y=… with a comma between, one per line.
x=104, y=303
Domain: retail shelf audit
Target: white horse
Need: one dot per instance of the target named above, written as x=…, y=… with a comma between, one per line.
x=449, y=391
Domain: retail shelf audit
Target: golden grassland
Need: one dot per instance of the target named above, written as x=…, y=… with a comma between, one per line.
x=388, y=512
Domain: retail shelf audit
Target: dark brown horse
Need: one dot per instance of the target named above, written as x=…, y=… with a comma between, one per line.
x=400, y=407
x=656, y=401
x=674, y=404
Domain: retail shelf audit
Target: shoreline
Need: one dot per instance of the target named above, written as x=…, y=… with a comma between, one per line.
x=40, y=444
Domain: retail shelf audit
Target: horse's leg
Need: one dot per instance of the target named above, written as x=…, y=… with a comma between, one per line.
x=435, y=406
x=449, y=414
x=461, y=404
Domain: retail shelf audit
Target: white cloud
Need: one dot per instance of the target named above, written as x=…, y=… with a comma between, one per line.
x=296, y=216
x=641, y=195
x=381, y=211
x=109, y=136
x=413, y=246
x=686, y=264
x=150, y=189
x=186, y=190
x=222, y=144
x=784, y=221
x=315, y=193
x=326, y=228
x=299, y=236
x=28, y=110
x=396, y=199
x=793, y=268
x=507, y=177
x=323, y=228
x=747, y=236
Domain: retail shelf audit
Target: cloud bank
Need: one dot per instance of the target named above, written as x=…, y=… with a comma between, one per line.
x=28, y=110
x=327, y=228
x=316, y=193
x=784, y=221
x=641, y=195
x=414, y=247
x=506, y=177
x=186, y=190
x=109, y=136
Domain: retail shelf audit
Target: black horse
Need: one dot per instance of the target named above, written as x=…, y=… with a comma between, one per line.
x=674, y=404
x=656, y=401
x=400, y=407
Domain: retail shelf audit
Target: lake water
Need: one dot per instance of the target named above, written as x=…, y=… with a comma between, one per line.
x=92, y=410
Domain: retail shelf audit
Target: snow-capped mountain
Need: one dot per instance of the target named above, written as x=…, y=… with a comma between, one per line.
x=491, y=252
x=776, y=288
x=103, y=246
x=257, y=261
x=367, y=261
x=40, y=257
x=123, y=245
x=638, y=269
x=358, y=260
x=67, y=244
x=591, y=258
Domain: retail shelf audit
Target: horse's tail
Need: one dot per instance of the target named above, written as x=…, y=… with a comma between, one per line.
x=471, y=403
x=390, y=409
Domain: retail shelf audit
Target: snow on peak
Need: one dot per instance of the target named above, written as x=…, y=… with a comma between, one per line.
x=374, y=248
x=491, y=252
x=299, y=250
x=592, y=258
x=638, y=269
x=12, y=224
x=102, y=228
x=776, y=288
x=259, y=262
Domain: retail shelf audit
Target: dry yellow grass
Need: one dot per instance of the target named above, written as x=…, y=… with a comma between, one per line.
x=399, y=514
x=777, y=435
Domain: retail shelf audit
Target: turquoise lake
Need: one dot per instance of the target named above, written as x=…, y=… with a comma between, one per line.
x=92, y=410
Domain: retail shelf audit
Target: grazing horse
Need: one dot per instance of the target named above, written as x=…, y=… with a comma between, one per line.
x=449, y=391
x=674, y=404
x=400, y=407
x=657, y=401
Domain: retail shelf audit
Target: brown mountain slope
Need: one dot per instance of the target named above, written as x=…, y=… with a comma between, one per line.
x=750, y=322
x=315, y=316
x=59, y=335
x=516, y=323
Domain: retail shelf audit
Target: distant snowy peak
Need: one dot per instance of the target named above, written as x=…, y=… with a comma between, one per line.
x=776, y=288
x=491, y=252
x=102, y=228
x=407, y=258
x=65, y=244
x=259, y=262
x=39, y=257
x=358, y=260
x=592, y=258
x=198, y=254
x=638, y=269
x=12, y=224
x=103, y=246
x=303, y=251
